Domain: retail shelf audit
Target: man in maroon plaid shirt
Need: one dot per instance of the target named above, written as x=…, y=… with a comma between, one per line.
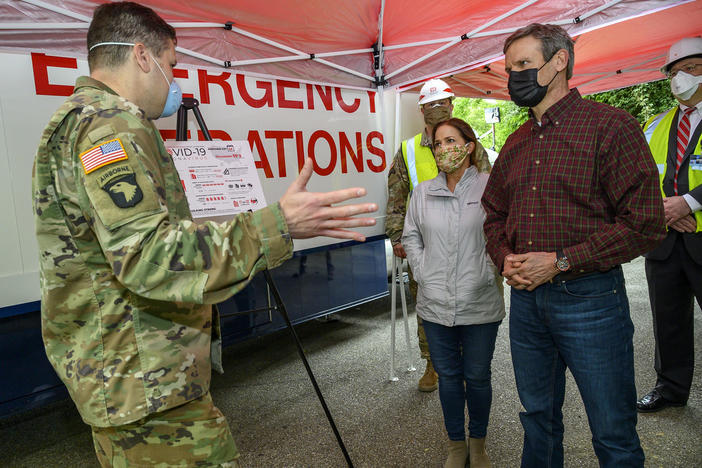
x=573, y=195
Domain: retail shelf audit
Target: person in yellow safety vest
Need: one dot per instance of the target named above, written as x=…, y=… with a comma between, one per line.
x=414, y=163
x=674, y=268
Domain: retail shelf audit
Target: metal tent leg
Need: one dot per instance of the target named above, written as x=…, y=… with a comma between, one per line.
x=398, y=273
x=410, y=366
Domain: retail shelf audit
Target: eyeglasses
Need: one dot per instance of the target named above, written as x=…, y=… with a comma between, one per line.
x=689, y=69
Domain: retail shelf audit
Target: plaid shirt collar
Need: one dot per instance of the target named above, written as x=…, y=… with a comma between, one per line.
x=556, y=112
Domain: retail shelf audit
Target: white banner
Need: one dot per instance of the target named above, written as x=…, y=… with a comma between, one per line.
x=283, y=122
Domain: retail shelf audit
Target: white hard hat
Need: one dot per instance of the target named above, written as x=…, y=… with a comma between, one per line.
x=687, y=47
x=434, y=90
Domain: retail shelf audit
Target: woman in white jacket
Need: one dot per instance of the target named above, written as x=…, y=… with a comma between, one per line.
x=460, y=296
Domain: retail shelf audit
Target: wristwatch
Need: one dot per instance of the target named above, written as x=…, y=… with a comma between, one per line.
x=562, y=264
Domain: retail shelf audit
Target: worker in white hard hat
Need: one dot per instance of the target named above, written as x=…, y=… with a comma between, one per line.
x=414, y=163
x=674, y=268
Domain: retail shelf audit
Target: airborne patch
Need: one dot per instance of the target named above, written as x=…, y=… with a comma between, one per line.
x=121, y=184
x=102, y=155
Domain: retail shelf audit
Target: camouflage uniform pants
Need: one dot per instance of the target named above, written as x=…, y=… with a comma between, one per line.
x=423, y=345
x=193, y=434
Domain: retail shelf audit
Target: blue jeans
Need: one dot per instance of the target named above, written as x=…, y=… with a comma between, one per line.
x=584, y=325
x=461, y=356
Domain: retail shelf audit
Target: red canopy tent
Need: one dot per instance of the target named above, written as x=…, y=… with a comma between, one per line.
x=617, y=55
x=389, y=44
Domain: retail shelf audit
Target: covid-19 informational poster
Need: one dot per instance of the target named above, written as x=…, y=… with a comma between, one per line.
x=219, y=177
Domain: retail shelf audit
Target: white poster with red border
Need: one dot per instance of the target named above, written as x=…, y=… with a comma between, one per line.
x=219, y=177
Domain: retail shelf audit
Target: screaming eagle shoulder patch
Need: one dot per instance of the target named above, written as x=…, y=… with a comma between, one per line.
x=120, y=183
x=124, y=191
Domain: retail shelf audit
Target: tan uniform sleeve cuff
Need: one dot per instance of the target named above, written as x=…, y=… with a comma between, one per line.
x=276, y=243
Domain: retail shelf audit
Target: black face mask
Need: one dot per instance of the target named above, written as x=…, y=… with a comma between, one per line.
x=524, y=87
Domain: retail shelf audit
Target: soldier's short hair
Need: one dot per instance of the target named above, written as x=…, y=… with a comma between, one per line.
x=125, y=22
x=553, y=38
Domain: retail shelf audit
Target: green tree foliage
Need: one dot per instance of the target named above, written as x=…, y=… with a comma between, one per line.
x=473, y=112
x=642, y=101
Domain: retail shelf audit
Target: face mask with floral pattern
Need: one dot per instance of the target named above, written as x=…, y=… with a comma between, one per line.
x=451, y=158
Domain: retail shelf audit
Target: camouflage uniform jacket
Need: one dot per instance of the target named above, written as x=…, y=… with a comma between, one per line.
x=126, y=276
x=399, y=188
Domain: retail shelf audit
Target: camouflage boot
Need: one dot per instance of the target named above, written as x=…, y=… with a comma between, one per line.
x=478, y=455
x=457, y=454
x=430, y=380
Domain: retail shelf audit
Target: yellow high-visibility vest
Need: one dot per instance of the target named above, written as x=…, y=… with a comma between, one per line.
x=419, y=161
x=657, y=131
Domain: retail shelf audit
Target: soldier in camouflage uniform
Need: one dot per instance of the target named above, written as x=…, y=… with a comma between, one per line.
x=127, y=278
x=435, y=103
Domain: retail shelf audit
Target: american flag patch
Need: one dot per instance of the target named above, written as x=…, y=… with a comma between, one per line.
x=106, y=153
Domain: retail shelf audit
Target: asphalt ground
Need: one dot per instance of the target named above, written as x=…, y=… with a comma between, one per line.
x=278, y=421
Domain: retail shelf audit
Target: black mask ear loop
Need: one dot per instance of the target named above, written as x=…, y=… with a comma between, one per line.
x=554, y=76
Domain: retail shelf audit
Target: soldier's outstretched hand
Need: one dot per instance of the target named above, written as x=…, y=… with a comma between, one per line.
x=310, y=214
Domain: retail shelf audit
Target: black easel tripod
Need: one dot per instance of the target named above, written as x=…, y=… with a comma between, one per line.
x=182, y=135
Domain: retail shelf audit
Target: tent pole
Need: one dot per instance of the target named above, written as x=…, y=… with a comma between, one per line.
x=300, y=53
x=473, y=65
x=599, y=9
x=200, y=56
x=55, y=9
x=344, y=52
x=397, y=119
x=268, y=41
x=185, y=24
x=624, y=70
x=381, y=17
x=616, y=20
x=501, y=17
x=420, y=43
x=345, y=69
x=465, y=36
x=43, y=26
x=470, y=85
x=427, y=56
x=288, y=58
